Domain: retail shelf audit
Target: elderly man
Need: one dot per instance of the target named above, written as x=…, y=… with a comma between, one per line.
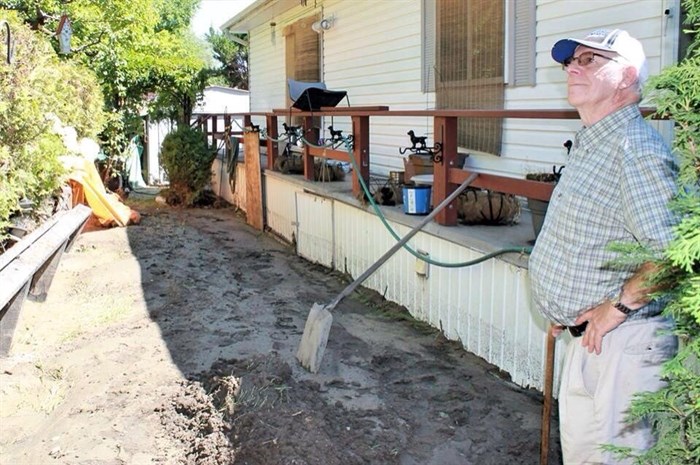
x=616, y=186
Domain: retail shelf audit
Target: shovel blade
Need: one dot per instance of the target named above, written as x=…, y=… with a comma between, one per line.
x=315, y=337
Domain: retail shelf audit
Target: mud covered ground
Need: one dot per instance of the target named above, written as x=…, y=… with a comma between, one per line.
x=173, y=342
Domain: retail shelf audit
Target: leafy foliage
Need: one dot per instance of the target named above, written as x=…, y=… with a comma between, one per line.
x=233, y=57
x=187, y=159
x=136, y=48
x=175, y=15
x=128, y=57
x=35, y=85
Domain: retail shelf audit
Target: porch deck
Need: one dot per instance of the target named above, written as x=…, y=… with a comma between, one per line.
x=481, y=238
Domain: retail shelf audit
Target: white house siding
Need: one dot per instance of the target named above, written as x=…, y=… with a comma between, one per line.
x=280, y=206
x=486, y=307
x=315, y=228
x=266, y=69
x=220, y=183
x=373, y=51
x=531, y=145
x=380, y=65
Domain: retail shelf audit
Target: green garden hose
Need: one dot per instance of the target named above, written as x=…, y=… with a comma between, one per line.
x=378, y=212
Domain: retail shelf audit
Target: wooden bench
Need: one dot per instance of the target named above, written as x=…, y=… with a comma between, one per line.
x=27, y=269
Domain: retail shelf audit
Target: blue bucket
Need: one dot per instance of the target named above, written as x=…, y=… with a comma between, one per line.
x=416, y=200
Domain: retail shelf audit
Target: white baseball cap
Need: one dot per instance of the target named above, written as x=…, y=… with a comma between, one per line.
x=616, y=40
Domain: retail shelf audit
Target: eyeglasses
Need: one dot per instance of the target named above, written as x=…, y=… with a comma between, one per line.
x=584, y=59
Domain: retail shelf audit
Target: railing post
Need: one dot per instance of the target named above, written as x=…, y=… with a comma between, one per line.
x=309, y=133
x=360, y=149
x=445, y=134
x=10, y=317
x=41, y=282
x=272, y=146
x=254, y=201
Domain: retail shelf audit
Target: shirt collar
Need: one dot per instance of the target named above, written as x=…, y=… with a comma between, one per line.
x=608, y=125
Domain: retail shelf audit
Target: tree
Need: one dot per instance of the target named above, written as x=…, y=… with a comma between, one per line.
x=229, y=50
x=135, y=48
x=175, y=15
x=35, y=85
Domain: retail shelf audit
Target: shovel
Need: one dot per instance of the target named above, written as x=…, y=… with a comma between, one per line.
x=318, y=324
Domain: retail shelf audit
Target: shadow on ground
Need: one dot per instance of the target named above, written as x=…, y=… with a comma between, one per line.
x=230, y=304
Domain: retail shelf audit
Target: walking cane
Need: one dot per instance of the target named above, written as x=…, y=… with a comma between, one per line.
x=547, y=407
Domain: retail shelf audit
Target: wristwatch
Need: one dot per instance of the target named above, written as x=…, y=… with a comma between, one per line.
x=615, y=301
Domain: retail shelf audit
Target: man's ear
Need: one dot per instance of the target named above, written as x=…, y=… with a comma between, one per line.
x=629, y=77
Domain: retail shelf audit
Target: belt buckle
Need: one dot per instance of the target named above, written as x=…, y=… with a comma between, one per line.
x=577, y=331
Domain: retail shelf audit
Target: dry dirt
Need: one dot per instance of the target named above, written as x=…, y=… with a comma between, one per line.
x=173, y=342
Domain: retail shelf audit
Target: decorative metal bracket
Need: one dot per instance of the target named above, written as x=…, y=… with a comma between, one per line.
x=419, y=147
x=337, y=140
x=293, y=133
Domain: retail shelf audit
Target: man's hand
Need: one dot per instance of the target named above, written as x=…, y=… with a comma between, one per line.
x=601, y=320
x=557, y=330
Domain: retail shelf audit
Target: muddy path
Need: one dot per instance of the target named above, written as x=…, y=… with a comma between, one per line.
x=173, y=342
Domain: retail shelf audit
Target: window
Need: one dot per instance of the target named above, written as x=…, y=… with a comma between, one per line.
x=302, y=56
x=470, y=71
x=471, y=49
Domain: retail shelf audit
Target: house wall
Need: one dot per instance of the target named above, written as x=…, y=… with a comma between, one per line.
x=379, y=65
x=217, y=99
x=373, y=51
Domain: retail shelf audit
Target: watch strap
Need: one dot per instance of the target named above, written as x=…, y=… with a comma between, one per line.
x=622, y=307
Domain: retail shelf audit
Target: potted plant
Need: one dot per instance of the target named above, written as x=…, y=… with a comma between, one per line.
x=538, y=208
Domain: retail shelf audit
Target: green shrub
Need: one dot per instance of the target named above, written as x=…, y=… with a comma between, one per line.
x=186, y=159
x=35, y=85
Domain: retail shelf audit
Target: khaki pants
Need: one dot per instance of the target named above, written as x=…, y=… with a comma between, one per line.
x=596, y=390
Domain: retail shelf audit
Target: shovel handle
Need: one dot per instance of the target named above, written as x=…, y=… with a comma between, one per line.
x=352, y=286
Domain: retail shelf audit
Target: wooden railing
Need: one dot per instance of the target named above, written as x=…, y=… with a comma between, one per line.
x=447, y=175
x=27, y=269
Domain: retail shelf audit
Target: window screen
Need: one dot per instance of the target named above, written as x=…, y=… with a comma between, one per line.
x=470, y=67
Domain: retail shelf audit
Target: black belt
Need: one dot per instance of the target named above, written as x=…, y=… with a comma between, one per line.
x=577, y=331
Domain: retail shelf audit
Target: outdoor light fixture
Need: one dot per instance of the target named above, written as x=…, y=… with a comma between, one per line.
x=322, y=25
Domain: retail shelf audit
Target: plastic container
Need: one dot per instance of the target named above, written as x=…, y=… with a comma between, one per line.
x=396, y=177
x=416, y=200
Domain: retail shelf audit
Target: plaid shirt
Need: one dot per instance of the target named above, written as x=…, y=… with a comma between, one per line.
x=616, y=186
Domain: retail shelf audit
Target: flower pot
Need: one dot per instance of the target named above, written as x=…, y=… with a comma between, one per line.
x=538, y=208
